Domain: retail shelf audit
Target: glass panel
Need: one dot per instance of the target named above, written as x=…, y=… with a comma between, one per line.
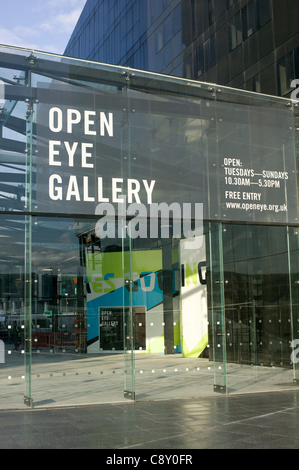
x=249, y=17
x=258, y=307
x=260, y=183
x=209, y=52
x=167, y=29
x=169, y=292
x=256, y=84
x=176, y=20
x=77, y=337
x=235, y=31
x=264, y=12
x=216, y=317
x=27, y=321
x=294, y=281
x=159, y=38
x=128, y=272
x=106, y=176
x=211, y=12
x=130, y=328
x=286, y=74
x=198, y=60
x=12, y=377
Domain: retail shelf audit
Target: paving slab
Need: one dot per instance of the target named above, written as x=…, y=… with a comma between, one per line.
x=251, y=421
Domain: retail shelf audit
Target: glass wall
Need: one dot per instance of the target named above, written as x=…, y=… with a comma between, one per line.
x=148, y=235
x=261, y=315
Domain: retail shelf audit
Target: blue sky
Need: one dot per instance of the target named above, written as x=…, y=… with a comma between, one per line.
x=44, y=25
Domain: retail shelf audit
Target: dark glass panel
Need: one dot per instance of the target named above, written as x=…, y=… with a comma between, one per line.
x=286, y=74
x=264, y=12
x=198, y=61
x=249, y=18
x=159, y=38
x=176, y=20
x=210, y=53
x=167, y=29
x=257, y=295
x=186, y=22
x=235, y=31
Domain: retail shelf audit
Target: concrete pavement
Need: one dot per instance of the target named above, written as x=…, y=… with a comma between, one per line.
x=249, y=421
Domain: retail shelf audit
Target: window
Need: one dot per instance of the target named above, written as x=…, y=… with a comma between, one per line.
x=249, y=18
x=136, y=12
x=167, y=53
x=129, y=19
x=165, y=4
x=156, y=9
x=286, y=74
x=188, y=67
x=256, y=84
x=264, y=12
x=235, y=31
x=211, y=12
x=254, y=15
x=210, y=52
x=198, y=62
x=176, y=20
x=167, y=29
x=159, y=38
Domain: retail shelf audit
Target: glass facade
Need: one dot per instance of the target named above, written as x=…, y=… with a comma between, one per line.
x=148, y=236
x=236, y=43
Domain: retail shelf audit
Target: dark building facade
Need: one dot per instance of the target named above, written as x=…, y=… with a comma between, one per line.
x=249, y=44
